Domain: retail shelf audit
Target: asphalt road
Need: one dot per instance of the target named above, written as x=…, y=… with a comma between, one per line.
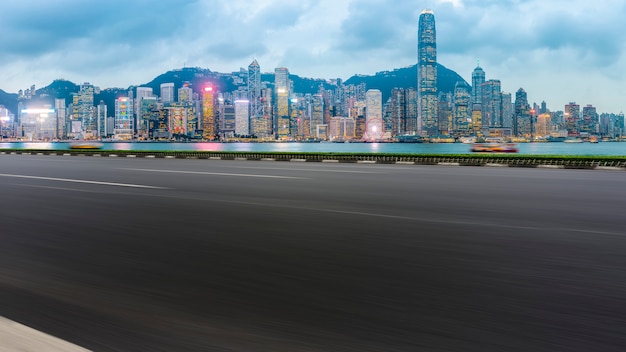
x=121, y=254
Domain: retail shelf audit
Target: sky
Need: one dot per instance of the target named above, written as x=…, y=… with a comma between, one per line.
x=558, y=51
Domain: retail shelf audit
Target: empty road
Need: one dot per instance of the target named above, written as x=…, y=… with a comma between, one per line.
x=133, y=254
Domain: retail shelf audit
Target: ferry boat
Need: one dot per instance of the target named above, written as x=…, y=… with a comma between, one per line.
x=85, y=145
x=494, y=148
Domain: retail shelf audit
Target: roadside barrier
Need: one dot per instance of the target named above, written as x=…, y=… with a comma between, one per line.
x=477, y=160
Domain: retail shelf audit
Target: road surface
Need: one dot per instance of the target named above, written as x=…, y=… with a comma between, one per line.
x=133, y=254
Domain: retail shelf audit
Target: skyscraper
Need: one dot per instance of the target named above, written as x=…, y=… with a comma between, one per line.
x=478, y=78
x=373, y=115
x=462, y=115
x=427, y=74
x=572, y=119
x=123, y=118
x=167, y=93
x=254, y=90
x=208, y=113
x=492, y=103
x=522, y=126
x=281, y=76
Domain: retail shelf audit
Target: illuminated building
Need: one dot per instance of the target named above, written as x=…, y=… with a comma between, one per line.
x=83, y=116
x=167, y=93
x=208, y=113
x=229, y=121
x=341, y=128
x=177, y=119
x=257, y=107
x=37, y=123
x=462, y=108
x=6, y=123
x=282, y=86
x=522, y=117
x=572, y=119
x=427, y=74
x=101, y=117
x=478, y=78
x=403, y=110
x=59, y=105
x=373, y=115
x=543, y=126
x=185, y=94
x=507, y=110
x=590, y=120
x=140, y=122
x=123, y=118
x=445, y=115
x=294, y=122
x=492, y=103
x=242, y=118
x=317, y=113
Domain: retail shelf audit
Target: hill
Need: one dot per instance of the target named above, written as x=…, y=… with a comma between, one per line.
x=197, y=78
x=406, y=77
x=9, y=101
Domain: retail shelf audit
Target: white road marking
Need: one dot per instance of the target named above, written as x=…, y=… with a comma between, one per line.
x=17, y=337
x=215, y=173
x=82, y=181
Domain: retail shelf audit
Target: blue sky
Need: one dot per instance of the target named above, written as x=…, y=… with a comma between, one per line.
x=558, y=50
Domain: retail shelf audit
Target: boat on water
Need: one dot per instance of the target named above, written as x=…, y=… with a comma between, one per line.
x=89, y=145
x=573, y=140
x=494, y=148
x=468, y=140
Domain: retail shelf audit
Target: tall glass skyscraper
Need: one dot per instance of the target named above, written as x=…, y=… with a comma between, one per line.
x=427, y=74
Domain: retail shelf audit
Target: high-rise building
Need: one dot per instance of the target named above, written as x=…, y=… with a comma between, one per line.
x=478, y=78
x=590, y=120
x=507, y=110
x=462, y=108
x=427, y=74
x=492, y=103
x=208, y=113
x=167, y=93
x=101, y=117
x=59, y=105
x=282, y=86
x=123, y=118
x=242, y=117
x=141, y=124
x=316, y=114
x=522, y=117
x=572, y=119
x=543, y=126
x=85, y=110
x=403, y=111
x=185, y=94
x=373, y=115
x=254, y=90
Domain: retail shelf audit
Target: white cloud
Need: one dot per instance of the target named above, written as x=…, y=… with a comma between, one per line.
x=554, y=49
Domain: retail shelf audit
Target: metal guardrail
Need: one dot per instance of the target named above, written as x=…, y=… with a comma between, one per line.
x=464, y=160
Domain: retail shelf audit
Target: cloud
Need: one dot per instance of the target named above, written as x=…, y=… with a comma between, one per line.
x=119, y=43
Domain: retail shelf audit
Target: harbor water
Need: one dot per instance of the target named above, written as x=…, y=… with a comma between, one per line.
x=553, y=148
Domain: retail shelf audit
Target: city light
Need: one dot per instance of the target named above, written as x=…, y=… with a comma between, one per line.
x=208, y=89
x=38, y=111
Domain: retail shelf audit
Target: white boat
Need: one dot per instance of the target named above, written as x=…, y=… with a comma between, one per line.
x=573, y=140
x=468, y=140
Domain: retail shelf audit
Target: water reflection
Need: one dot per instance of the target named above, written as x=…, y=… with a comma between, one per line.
x=555, y=148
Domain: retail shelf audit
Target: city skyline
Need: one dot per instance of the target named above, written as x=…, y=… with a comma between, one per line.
x=559, y=51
